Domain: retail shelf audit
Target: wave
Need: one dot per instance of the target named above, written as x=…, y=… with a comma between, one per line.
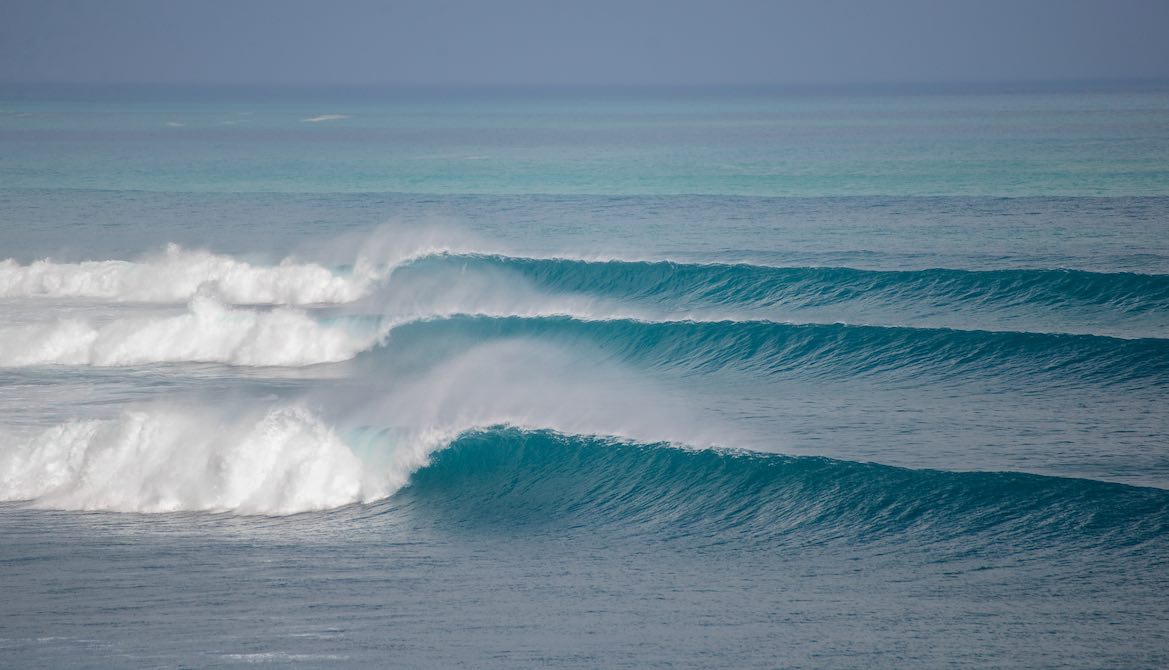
x=511, y=477
x=1071, y=299
x=250, y=456
x=287, y=460
x=177, y=275
x=209, y=332
x=813, y=350
x=422, y=262
x=325, y=117
x=761, y=284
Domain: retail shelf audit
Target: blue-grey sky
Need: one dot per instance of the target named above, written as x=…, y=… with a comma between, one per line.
x=357, y=42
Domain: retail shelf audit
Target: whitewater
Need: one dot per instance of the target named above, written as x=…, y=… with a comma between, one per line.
x=334, y=395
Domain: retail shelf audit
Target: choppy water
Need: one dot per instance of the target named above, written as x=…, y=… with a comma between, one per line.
x=585, y=378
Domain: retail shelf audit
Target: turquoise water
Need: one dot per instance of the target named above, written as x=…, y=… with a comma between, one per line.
x=627, y=143
x=579, y=378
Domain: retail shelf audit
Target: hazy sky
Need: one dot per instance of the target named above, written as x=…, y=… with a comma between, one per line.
x=582, y=42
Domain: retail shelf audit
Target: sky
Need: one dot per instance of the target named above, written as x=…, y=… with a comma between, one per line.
x=625, y=42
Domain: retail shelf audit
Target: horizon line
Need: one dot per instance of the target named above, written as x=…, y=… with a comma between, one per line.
x=578, y=85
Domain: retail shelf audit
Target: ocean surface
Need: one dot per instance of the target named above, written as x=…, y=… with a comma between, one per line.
x=585, y=377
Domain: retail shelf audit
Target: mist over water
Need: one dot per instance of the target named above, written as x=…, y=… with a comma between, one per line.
x=586, y=381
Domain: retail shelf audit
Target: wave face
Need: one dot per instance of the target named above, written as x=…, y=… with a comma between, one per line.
x=747, y=285
x=1119, y=303
x=431, y=338
x=506, y=476
x=209, y=332
x=744, y=316
x=826, y=350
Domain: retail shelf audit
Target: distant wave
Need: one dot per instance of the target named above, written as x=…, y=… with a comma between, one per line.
x=325, y=117
x=1073, y=300
x=678, y=316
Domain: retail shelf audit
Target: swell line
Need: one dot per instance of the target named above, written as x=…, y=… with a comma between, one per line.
x=814, y=350
x=506, y=475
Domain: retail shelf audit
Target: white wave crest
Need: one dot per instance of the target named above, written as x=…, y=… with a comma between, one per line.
x=284, y=462
x=208, y=332
x=176, y=275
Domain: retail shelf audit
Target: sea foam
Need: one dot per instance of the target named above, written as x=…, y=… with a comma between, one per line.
x=176, y=275
x=282, y=462
x=209, y=332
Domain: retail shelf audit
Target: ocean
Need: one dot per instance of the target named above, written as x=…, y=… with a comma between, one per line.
x=585, y=377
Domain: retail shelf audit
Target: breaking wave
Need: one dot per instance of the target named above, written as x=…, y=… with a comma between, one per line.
x=209, y=332
x=282, y=462
x=288, y=461
x=816, y=350
x=178, y=274
x=1070, y=301
x=514, y=477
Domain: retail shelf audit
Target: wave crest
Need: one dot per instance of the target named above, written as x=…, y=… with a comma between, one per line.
x=177, y=275
x=287, y=461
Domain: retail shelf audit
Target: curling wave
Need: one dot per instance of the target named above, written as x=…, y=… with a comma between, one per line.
x=515, y=477
x=288, y=461
x=1062, y=300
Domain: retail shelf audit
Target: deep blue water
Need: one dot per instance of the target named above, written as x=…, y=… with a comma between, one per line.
x=585, y=378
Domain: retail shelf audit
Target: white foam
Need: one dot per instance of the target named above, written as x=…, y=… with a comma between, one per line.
x=176, y=275
x=286, y=459
x=325, y=117
x=283, y=462
x=208, y=332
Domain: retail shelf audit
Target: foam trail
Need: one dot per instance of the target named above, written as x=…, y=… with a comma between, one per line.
x=176, y=275
x=208, y=333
